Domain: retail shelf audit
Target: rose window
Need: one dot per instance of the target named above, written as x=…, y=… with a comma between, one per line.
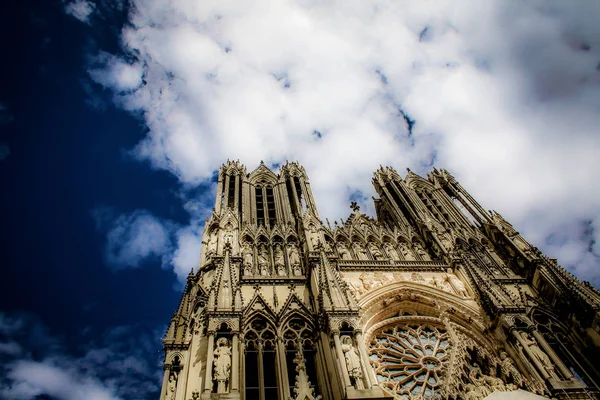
x=408, y=360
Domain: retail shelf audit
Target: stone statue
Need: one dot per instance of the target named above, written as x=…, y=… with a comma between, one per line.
x=212, y=243
x=222, y=364
x=391, y=252
x=279, y=261
x=172, y=386
x=294, y=259
x=360, y=251
x=375, y=251
x=263, y=261
x=228, y=236
x=421, y=252
x=343, y=251
x=314, y=238
x=406, y=253
x=248, y=260
x=459, y=287
x=538, y=353
x=352, y=362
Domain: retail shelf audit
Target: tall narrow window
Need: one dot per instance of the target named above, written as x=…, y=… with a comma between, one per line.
x=290, y=192
x=231, y=192
x=299, y=193
x=298, y=333
x=260, y=365
x=271, y=206
x=260, y=206
x=240, y=197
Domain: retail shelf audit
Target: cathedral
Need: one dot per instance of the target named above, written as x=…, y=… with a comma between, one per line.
x=436, y=298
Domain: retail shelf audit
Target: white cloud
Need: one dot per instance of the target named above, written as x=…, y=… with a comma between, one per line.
x=80, y=9
x=117, y=74
x=123, y=364
x=135, y=238
x=504, y=95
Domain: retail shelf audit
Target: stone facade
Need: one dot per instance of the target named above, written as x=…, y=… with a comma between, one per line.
x=437, y=298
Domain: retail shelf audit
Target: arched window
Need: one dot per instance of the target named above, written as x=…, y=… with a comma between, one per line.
x=298, y=335
x=260, y=360
x=260, y=206
x=271, y=206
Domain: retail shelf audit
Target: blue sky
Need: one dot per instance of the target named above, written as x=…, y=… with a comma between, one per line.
x=114, y=117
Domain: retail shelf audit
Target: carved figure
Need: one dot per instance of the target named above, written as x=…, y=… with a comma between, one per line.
x=375, y=251
x=360, y=251
x=228, y=236
x=391, y=252
x=212, y=243
x=368, y=283
x=222, y=364
x=279, y=261
x=538, y=353
x=294, y=258
x=248, y=260
x=406, y=253
x=435, y=283
x=263, y=261
x=417, y=277
x=172, y=386
x=459, y=287
x=343, y=251
x=315, y=241
x=421, y=252
x=508, y=368
x=352, y=361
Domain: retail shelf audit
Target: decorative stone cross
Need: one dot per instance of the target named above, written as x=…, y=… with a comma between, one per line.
x=354, y=206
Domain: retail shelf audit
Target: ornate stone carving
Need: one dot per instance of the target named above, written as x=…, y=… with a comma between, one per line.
x=279, y=261
x=391, y=252
x=360, y=251
x=352, y=361
x=409, y=360
x=456, y=283
x=540, y=356
x=421, y=252
x=264, y=266
x=406, y=252
x=222, y=365
x=375, y=251
x=248, y=258
x=212, y=243
x=172, y=386
x=294, y=258
x=343, y=251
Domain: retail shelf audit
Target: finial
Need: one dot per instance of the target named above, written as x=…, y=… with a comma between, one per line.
x=407, y=169
x=354, y=206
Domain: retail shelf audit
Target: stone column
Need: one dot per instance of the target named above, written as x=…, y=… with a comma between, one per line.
x=235, y=362
x=566, y=372
x=261, y=371
x=282, y=373
x=163, y=392
x=532, y=358
x=364, y=359
x=209, y=363
x=341, y=358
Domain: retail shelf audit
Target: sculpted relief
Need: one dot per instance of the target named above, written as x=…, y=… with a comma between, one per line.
x=364, y=282
x=279, y=260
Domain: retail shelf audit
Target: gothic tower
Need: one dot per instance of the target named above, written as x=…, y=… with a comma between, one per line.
x=437, y=298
